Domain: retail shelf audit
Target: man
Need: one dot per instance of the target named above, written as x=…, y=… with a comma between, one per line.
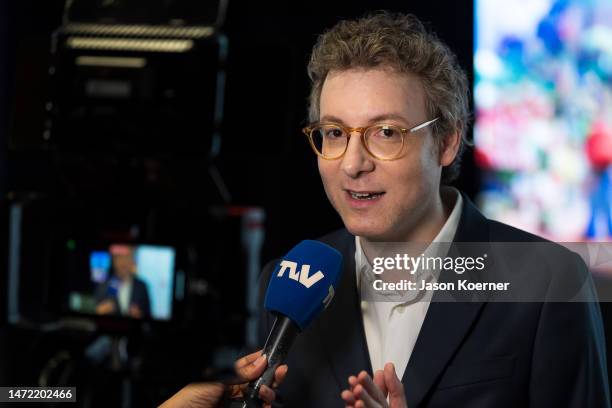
x=124, y=293
x=389, y=111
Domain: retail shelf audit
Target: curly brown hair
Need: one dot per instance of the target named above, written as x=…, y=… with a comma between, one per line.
x=401, y=42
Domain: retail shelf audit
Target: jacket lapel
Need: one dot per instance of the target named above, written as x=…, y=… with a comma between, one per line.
x=443, y=330
x=446, y=323
x=444, y=327
x=341, y=326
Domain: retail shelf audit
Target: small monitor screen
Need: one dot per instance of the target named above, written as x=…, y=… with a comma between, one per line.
x=133, y=281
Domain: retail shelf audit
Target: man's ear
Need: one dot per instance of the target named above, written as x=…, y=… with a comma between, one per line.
x=449, y=146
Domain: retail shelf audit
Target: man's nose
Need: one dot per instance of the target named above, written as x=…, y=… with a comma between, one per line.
x=356, y=159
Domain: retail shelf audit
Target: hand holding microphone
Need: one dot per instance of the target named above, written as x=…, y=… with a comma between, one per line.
x=213, y=394
x=300, y=288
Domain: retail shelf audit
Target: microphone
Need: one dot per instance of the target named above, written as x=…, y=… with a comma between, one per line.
x=300, y=288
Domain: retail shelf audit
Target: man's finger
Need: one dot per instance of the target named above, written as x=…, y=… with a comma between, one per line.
x=374, y=392
x=397, y=397
x=348, y=397
x=364, y=397
x=379, y=380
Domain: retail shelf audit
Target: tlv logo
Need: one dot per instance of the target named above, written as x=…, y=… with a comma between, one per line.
x=303, y=276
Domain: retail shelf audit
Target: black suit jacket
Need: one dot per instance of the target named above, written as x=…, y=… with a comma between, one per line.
x=470, y=354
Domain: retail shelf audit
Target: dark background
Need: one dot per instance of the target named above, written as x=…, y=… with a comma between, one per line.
x=264, y=161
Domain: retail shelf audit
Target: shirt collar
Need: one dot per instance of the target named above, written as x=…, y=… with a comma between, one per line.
x=446, y=234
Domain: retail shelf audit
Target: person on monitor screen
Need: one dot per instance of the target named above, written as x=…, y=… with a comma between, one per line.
x=123, y=293
x=389, y=114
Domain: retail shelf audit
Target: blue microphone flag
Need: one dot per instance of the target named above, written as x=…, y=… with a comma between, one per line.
x=304, y=282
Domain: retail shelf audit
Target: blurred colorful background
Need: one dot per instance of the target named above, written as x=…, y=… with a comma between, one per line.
x=543, y=115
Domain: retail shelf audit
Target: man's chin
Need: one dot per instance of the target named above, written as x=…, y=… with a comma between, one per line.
x=369, y=232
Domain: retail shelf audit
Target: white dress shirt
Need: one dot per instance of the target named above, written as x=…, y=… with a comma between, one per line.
x=392, y=328
x=123, y=297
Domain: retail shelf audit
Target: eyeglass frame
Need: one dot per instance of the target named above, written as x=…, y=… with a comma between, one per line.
x=362, y=131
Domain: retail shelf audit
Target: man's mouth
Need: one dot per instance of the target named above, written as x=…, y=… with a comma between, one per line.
x=365, y=195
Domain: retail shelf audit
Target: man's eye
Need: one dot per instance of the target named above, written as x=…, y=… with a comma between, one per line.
x=333, y=133
x=387, y=133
